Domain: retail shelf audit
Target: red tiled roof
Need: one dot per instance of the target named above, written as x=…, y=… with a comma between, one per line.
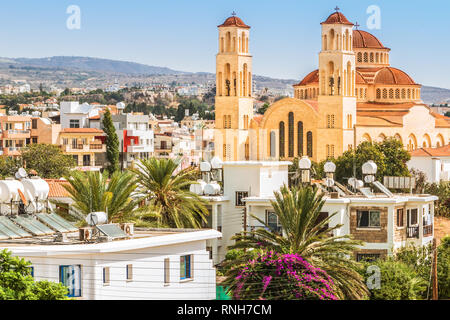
x=234, y=22
x=337, y=18
x=389, y=75
x=312, y=77
x=56, y=188
x=363, y=39
x=432, y=152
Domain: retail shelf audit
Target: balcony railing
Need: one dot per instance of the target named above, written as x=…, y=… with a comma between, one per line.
x=412, y=232
x=96, y=146
x=427, y=230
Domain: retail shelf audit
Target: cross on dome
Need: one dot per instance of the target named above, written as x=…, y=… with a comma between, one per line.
x=337, y=9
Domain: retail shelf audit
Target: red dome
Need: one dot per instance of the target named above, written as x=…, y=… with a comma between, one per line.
x=337, y=18
x=312, y=77
x=389, y=75
x=234, y=21
x=363, y=39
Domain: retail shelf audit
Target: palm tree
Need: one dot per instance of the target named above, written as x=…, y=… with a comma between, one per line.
x=298, y=212
x=167, y=194
x=94, y=192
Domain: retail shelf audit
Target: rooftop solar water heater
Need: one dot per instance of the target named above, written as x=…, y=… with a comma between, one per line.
x=68, y=225
x=27, y=225
x=112, y=231
x=12, y=226
x=383, y=189
x=43, y=217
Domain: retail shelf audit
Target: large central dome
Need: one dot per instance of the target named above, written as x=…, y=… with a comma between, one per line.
x=363, y=39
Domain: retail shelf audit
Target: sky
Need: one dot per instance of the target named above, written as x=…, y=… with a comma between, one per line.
x=182, y=34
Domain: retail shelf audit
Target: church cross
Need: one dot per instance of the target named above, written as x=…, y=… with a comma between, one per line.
x=337, y=8
x=233, y=13
x=356, y=25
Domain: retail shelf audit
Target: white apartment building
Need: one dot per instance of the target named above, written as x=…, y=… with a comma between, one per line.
x=74, y=115
x=434, y=162
x=385, y=222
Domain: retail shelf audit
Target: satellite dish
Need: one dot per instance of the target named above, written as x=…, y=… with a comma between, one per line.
x=21, y=173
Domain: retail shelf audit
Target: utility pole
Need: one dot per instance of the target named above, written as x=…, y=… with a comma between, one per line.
x=434, y=271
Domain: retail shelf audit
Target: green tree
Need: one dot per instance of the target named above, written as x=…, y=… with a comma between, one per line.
x=9, y=166
x=112, y=142
x=264, y=108
x=167, y=194
x=48, y=160
x=95, y=192
x=16, y=282
x=447, y=114
x=442, y=190
x=298, y=211
x=395, y=157
x=399, y=281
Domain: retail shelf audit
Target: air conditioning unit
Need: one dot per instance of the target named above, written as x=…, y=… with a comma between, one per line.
x=86, y=234
x=128, y=228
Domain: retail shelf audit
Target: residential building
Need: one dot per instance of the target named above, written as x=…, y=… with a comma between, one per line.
x=384, y=221
x=86, y=145
x=15, y=133
x=434, y=162
x=74, y=115
x=135, y=137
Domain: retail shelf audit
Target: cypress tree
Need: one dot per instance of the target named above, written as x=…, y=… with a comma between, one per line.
x=112, y=143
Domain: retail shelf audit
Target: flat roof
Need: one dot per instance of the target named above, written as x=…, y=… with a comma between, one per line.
x=260, y=163
x=142, y=238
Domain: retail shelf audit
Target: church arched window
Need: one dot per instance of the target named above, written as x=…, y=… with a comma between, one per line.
x=397, y=93
x=359, y=57
x=309, y=144
x=228, y=42
x=281, y=142
x=391, y=93
x=384, y=93
x=366, y=58
x=291, y=134
x=371, y=57
x=273, y=144
x=403, y=94
x=378, y=93
x=300, y=138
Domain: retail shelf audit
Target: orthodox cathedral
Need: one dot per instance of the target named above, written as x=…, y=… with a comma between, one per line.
x=354, y=96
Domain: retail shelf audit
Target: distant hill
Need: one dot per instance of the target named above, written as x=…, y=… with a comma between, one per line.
x=92, y=64
x=435, y=95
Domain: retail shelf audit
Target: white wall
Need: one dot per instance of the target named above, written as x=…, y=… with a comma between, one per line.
x=148, y=273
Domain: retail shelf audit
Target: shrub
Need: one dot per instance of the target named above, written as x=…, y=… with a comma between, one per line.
x=274, y=276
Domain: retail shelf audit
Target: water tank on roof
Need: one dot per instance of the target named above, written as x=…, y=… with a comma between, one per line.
x=96, y=218
x=216, y=163
x=9, y=190
x=198, y=188
x=212, y=188
x=35, y=188
x=120, y=106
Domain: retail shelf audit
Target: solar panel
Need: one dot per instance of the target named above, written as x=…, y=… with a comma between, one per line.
x=68, y=225
x=3, y=236
x=12, y=226
x=339, y=191
x=383, y=189
x=31, y=227
x=344, y=188
x=366, y=192
x=112, y=231
x=9, y=233
x=51, y=223
x=39, y=225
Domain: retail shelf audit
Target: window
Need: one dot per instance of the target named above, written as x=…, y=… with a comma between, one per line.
x=309, y=144
x=106, y=276
x=400, y=217
x=74, y=123
x=129, y=272
x=272, y=221
x=272, y=144
x=300, y=138
x=239, y=196
x=34, y=140
x=368, y=219
x=281, y=139
x=330, y=151
x=291, y=134
x=185, y=267
x=33, y=123
x=70, y=276
x=367, y=256
x=166, y=271
x=412, y=217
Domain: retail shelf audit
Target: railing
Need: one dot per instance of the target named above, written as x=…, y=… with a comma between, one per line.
x=412, y=232
x=427, y=230
x=96, y=146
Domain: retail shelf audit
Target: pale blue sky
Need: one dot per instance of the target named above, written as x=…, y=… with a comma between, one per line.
x=182, y=34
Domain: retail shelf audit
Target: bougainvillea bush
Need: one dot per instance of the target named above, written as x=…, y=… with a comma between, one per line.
x=273, y=276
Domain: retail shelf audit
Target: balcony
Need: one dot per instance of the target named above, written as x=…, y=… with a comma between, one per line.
x=16, y=134
x=84, y=148
x=428, y=230
x=11, y=151
x=139, y=148
x=412, y=232
x=146, y=134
